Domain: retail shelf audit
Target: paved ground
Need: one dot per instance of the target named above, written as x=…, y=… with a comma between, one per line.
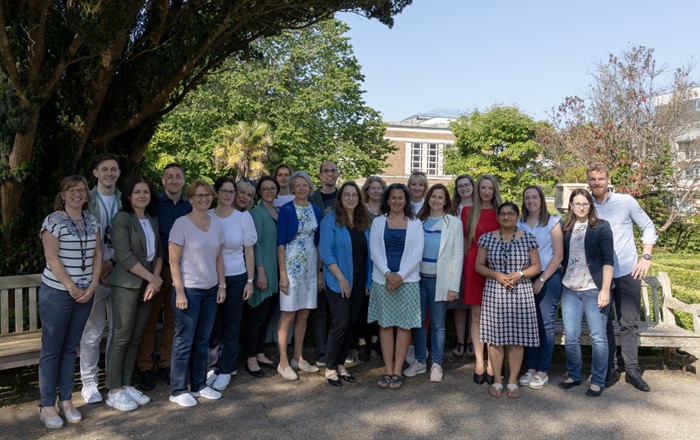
x=271, y=408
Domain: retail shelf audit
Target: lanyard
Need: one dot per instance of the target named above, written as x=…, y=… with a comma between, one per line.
x=110, y=212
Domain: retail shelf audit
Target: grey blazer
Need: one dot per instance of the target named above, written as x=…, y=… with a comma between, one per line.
x=129, y=243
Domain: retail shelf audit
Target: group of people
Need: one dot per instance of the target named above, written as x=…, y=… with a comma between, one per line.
x=380, y=264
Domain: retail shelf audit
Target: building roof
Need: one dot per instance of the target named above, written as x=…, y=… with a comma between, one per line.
x=438, y=118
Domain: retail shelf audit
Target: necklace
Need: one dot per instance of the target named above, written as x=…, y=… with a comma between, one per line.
x=505, y=248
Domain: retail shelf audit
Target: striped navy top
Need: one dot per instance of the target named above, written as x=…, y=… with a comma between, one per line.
x=76, y=246
x=432, y=229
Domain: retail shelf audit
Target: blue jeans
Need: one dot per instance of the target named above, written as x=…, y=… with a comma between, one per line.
x=62, y=324
x=192, y=329
x=437, y=309
x=540, y=358
x=574, y=304
x=224, y=342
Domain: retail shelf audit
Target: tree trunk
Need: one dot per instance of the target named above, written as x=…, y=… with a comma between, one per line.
x=11, y=191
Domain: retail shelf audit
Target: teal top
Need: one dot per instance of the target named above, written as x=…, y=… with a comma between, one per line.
x=265, y=254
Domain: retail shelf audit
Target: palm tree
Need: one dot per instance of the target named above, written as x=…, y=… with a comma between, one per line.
x=245, y=148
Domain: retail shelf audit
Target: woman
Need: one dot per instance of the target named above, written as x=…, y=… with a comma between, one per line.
x=417, y=186
x=440, y=277
x=368, y=333
x=239, y=265
x=245, y=192
x=299, y=263
x=282, y=173
x=396, y=248
x=263, y=302
x=197, y=268
x=480, y=219
x=71, y=242
x=588, y=272
x=546, y=285
x=134, y=280
x=508, y=258
x=462, y=200
x=344, y=249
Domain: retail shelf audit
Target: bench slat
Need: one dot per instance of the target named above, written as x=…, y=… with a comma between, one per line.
x=33, y=311
x=19, y=311
x=20, y=281
x=4, y=312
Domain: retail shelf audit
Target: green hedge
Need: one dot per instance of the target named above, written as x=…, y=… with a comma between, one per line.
x=684, y=272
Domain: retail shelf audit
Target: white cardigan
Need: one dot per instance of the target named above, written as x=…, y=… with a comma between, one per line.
x=412, y=252
x=450, y=258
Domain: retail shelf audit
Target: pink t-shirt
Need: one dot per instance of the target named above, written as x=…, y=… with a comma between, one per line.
x=199, y=251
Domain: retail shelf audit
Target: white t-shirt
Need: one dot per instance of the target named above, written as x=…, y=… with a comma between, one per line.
x=282, y=200
x=199, y=251
x=108, y=209
x=150, y=239
x=239, y=231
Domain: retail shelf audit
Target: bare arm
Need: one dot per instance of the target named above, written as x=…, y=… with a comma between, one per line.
x=175, y=252
x=282, y=262
x=249, y=254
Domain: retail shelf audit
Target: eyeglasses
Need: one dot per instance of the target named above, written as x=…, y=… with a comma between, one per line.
x=464, y=186
x=350, y=196
x=269, y=188
x=329, y=171
x=581, y=205
x=74, y=191
x=207, y=196
x=507, y=214
x=227, y=192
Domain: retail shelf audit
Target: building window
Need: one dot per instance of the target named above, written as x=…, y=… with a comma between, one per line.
x=426, y=157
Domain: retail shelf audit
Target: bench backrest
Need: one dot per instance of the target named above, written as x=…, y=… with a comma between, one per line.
x=19, y=294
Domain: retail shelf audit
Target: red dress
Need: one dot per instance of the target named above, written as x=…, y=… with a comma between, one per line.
x=473, y=282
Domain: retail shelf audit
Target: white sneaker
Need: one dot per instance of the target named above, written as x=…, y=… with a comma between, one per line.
x=303, y=366
x=349, y=359
x=184, y=399
x=414, y=369
x=221, y=382
x=137, y=396
x=211, y=377
x=526, y=378
x=121, y=401
x=538, y=381
x=207, y=393
x=436, y=373
x=288, y=373
x=90, y=393
x=410, y=355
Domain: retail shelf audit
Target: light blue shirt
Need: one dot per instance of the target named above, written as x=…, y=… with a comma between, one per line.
x=432, y=230
x=544, y=237
x=622, y=211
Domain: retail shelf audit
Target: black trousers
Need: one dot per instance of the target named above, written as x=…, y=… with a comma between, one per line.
x=259, y=318
x=344, y=312
x=626, y=296
x=319, y=323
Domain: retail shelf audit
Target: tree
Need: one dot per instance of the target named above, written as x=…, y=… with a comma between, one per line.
x=244, y=148
x=500, y=142
x=631, y=123
x=305, y=85
x=78, y=78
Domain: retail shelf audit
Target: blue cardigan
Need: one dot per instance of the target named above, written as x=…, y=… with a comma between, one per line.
x=600, y=251
x=336, y=247
x=288, y=224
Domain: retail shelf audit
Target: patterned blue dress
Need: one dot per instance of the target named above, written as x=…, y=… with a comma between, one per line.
x=302, y=264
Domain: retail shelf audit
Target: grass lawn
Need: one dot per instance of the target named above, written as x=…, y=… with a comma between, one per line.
x=684, y=272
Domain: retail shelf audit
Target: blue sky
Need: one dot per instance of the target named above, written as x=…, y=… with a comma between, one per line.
x=464, y=54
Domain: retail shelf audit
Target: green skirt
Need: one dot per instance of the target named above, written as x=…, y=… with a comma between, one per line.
x=400, y=308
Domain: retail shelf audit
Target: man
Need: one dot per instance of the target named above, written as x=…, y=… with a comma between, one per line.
x=324, y=198
x=621, y=211
x=105, y=202
x=171, y=205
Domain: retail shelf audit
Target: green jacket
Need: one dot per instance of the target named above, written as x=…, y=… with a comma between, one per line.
x=265, y=254
x=129, y=242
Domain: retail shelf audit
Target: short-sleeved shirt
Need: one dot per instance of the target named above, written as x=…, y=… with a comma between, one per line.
x=239, y=232
x=432, y=232
x=199, y=252
x=76, y=246
x=544, y=238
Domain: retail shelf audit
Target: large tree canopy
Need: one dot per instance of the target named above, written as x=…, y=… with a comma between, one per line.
x=82, y=77
x=304, y=84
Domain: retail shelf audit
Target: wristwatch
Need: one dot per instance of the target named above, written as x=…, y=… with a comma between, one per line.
x=522, y=274
x=646, y=257
x=542, y=280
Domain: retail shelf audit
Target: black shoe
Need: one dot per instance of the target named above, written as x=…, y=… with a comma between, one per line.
x=612, y=377
x=636, y=380
x=164, y=373
x=349, y=378
x=568, y=385
x=591, y=393
x=377, y=346
x=147, y=381
x=479, y=378
x=260, y=373
x=272, y=365
x=334, y=380
x=490, y=379
x=364, y=353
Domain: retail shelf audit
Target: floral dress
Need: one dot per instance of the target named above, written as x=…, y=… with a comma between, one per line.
x=302, y=264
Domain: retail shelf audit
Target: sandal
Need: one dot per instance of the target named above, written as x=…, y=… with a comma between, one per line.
x=384, y=381
x=396, y=382
x=513, y=391
x=458, y=350
x=496, y=390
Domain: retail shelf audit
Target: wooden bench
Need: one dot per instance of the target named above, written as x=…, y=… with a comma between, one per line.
x=20, y=343
x=657, y=324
